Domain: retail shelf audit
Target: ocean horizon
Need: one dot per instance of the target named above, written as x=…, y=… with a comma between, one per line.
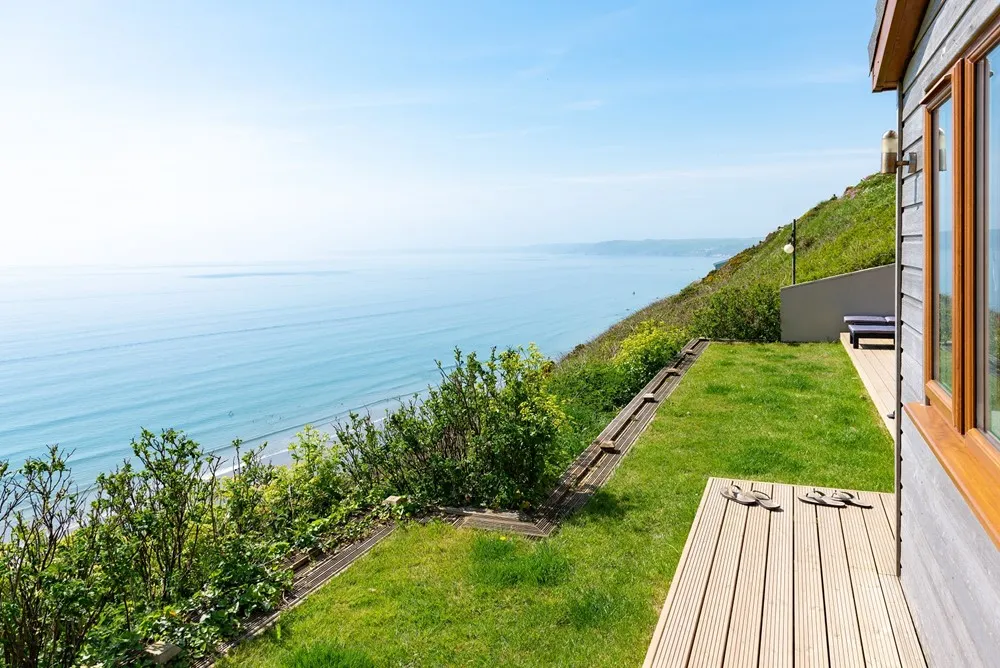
x=90, y=355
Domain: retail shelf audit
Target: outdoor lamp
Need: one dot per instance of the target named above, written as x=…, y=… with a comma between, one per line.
x=789, y=248
x=890, y=155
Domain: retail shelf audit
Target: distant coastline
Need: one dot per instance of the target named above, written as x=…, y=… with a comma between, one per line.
x=714, y=248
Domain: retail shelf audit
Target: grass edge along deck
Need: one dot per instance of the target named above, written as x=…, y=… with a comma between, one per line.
x=807, y=586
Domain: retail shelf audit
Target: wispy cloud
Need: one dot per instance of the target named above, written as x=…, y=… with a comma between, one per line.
x=746, y=80
x=535, y=71
x=507, y=134
x=378, y=99
x=765, y=166
x=585, y=105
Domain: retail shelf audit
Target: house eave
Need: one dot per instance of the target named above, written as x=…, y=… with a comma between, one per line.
x=896, y=26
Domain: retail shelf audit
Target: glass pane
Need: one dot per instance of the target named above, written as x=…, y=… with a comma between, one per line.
x=991, y=270
x=943, y=175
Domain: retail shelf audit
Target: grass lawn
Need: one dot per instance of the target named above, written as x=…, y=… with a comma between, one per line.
x=590, y=595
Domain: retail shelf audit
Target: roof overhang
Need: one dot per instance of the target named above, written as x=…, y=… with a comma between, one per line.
x=897, y=23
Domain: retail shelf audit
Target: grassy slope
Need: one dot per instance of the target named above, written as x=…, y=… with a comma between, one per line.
x=851, y=232
x=433, y=595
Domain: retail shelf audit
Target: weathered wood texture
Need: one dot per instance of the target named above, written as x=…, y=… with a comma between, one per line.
x=875, y=363
x=950, y=568
x=805, y=586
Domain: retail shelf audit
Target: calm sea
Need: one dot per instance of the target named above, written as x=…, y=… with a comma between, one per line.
x=88, y=356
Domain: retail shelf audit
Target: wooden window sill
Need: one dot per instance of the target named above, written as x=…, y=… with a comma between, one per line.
x=971, y=462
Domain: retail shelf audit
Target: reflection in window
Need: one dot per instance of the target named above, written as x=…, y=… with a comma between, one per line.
x=943, y=189
x=991, y=269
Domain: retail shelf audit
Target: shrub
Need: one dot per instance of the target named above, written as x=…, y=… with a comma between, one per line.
x=603, y=386
x=165, y=549
x=485, y=435
x=308, y=490
x=647, y=350
x=741, y=313
x=52, y=588
x=166, y=513
x=180, y=570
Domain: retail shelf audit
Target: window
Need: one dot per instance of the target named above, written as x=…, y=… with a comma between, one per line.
x=944, y=344
x=988, y=242
x=942, y=226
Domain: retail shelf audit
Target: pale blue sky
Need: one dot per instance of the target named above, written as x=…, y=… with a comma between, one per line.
x=197, y=131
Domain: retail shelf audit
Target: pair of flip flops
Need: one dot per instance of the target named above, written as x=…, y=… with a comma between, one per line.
x=838, y=499
x=750, y=498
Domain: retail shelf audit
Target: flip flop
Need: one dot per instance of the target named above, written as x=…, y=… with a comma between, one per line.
x=817, y=498
x=850, y=499
x=765, y=500
x=734, y=493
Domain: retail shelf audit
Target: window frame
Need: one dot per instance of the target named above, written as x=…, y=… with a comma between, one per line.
x=951, y=404
x=950, y=423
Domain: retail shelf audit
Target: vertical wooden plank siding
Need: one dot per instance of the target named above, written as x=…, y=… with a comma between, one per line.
x=958, y=628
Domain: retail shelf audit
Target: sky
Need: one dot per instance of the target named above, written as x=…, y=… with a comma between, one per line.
x=177, y=132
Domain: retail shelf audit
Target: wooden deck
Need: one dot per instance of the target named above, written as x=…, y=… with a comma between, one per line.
x=876, y=364
x=806, y=586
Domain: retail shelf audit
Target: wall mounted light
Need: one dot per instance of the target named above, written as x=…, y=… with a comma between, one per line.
x=890, y=155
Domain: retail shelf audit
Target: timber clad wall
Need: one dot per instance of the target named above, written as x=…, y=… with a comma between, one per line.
x=950, y=567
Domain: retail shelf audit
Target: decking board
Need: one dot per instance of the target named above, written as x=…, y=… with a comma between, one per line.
x=876, y=365
x=805, y=586
x=777, y=623
x=743, y=641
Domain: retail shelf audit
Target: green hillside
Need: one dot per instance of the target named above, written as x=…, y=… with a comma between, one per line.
x=847, y=233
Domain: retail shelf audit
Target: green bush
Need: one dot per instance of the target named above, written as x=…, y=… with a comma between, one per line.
x=647, y=350
x=603, y=386
x=486, y=435
x=163, y=548
x=741, y=313
x=180, y=571
x=52, y=587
